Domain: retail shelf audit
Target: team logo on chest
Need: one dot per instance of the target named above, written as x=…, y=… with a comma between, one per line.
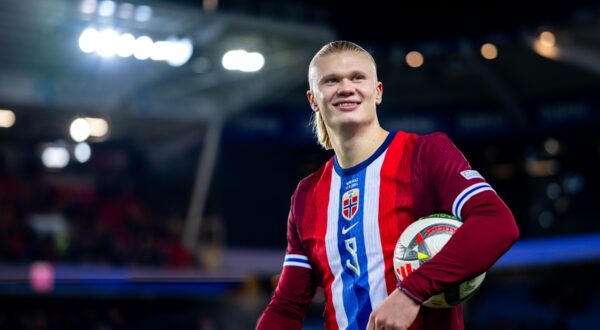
x=350, y=203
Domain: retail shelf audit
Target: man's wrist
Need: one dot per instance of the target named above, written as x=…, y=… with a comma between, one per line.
x=409, y=294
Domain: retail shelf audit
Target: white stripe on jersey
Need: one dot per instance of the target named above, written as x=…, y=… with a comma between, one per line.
x=296, y=256
x=466, y=194
x=296, y=260
x=376, y=264
x=295, y=263
x=333, y=254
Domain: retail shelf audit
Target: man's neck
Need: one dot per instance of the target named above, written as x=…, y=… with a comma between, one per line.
x=352, y=147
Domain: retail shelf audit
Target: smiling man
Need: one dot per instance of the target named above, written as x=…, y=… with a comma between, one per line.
x=346, y=217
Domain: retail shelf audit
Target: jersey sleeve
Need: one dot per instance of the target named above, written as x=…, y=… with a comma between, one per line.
x=445, y=182
x=297, y=283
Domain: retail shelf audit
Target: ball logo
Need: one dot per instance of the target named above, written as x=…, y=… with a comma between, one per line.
x=350, y=203
x=438, y=229
x=404, y=270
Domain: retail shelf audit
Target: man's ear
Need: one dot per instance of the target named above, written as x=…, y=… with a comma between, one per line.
x=311, y=100
x=379, y=93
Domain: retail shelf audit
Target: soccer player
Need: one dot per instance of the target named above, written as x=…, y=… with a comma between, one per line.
x=346, y=217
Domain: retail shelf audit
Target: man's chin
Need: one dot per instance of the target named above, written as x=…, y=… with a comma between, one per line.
x=351, y=123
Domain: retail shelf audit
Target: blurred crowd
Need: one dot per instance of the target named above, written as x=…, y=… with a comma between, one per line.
x=92, y=214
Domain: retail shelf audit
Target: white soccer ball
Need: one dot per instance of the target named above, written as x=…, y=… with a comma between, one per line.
x=419, y=242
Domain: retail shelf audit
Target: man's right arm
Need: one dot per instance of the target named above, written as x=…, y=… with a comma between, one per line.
x=297, y=284
x=292, y=298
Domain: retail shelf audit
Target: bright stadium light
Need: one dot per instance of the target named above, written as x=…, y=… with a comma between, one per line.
x=7, y=118
x=545, y=45
x=489, y=51
x=547, y=39
x=55, y=157
x=125, y=45
x=88, y=40
x=161, y=50
x=143, y=48
x=182, y=51
x=414, y=59
x=98, y=126
x=231, y=60
x=106, y=8
x=82, y=152
x=243, y=61
x=107, y=43
x=125, y=10
x=142, y=13
x=176, y=52
x=252, y=62
x=88, y=6
x=80, y=129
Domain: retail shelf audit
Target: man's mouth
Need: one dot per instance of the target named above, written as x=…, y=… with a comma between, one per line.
x=346, y=106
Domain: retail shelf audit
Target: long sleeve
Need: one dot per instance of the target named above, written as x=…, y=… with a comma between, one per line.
x=489, y=230
x=296, y=287
x=446, y=183
x=291, y=300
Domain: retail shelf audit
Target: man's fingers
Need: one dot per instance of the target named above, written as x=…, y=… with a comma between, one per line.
x=371, y=324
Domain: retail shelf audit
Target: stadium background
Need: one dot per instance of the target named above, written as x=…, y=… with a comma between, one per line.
x=175, y=218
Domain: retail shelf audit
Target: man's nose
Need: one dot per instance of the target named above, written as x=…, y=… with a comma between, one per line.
x=346, y=87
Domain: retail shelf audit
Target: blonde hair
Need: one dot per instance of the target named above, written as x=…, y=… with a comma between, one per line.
x=317, y=123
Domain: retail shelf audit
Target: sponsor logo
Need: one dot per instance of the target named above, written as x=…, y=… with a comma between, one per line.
x=346, y=230
x=471, y=174
x=350, y=203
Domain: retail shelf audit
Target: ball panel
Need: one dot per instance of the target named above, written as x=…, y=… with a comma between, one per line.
x=468, y=288
x=422, y=240
x=404, y=269
x=437, y=301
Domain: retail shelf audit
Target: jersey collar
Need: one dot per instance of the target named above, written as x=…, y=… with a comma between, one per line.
x=362, y=165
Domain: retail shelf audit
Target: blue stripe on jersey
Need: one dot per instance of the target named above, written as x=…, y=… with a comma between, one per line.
x=351, y=246
x=466, y=194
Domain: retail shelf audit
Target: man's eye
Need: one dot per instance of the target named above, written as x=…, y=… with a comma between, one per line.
x=331, y=81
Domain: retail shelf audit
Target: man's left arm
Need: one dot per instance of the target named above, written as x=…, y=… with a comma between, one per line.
x=445, y=182
x=489, y=228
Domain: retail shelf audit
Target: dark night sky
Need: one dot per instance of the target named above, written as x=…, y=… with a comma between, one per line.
x=383, y=21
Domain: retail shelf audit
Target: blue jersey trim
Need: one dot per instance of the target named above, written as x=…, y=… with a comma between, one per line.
x=355, y=292
x=467, y=194
x=296, y=260
x=359, y=167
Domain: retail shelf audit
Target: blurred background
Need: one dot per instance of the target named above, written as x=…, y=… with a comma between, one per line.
x=149, y=150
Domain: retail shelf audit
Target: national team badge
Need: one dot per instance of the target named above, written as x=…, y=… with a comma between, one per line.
x=350, y=203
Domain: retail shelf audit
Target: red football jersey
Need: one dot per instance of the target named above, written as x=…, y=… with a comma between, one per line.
x=344, y=223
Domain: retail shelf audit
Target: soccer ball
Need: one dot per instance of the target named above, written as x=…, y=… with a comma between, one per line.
x=419, y=242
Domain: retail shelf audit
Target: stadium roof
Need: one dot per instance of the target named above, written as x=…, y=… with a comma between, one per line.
x=43, y=72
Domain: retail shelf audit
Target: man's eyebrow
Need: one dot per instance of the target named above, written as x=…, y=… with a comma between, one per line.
x=336, y=75
x=328, y=76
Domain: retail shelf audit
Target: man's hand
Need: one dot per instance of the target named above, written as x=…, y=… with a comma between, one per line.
x=396, y=312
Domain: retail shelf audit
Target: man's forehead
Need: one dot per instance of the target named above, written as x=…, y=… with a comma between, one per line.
x=343, y=62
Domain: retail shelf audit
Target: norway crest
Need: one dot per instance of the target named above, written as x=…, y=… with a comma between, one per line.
x=350, y=203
